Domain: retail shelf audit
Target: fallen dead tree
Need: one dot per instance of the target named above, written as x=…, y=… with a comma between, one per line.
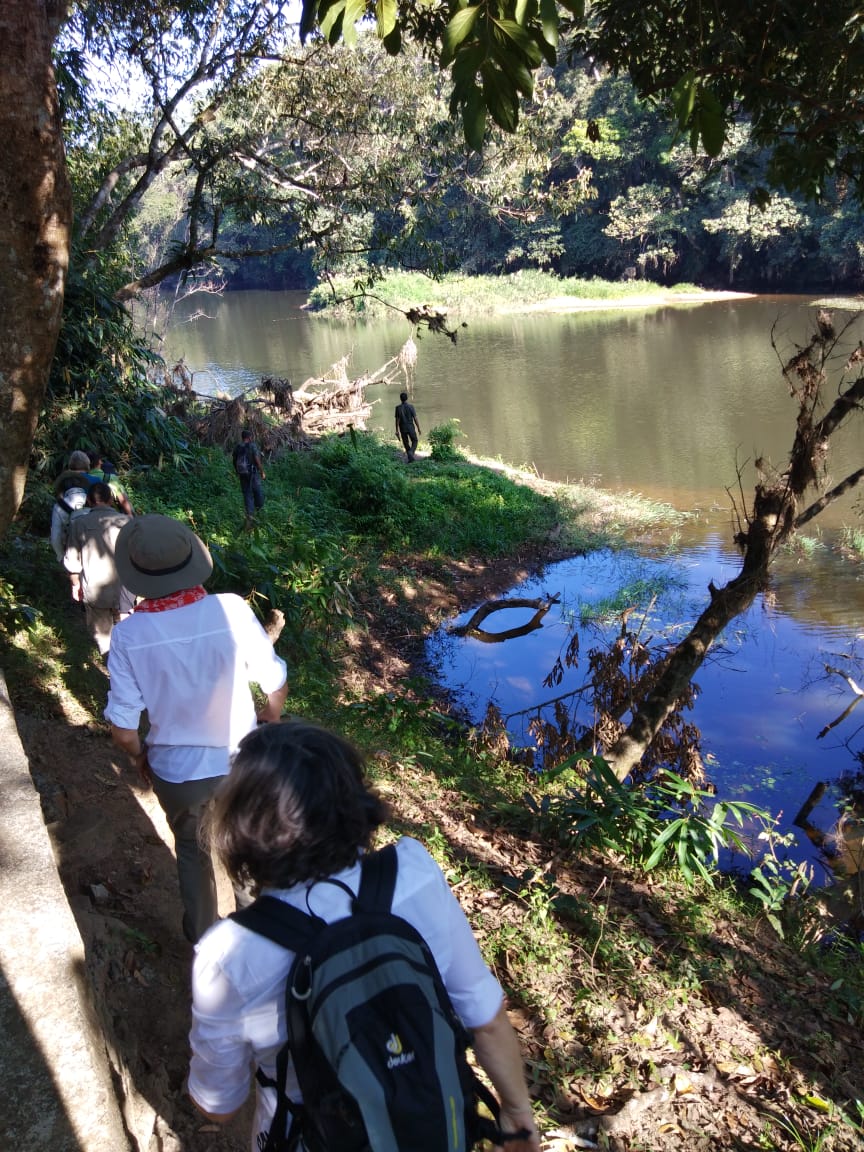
x=783, y=501
x=284, y=418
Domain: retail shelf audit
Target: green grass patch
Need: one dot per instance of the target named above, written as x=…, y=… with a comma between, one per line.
x=473, y=295
x=852, y=540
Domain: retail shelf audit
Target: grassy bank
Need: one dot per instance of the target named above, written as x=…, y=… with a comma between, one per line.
x=655, y=1014
x=473, y=295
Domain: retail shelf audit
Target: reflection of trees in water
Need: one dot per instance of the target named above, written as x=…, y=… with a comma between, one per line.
x=819, y=588
x=620, y=672
x=842, y=844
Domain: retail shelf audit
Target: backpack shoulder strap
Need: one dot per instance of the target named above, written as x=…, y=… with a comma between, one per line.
x=377, y=880
x=293, y=929
x=277, y=921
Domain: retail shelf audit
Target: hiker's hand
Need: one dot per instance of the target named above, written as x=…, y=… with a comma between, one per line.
x=519, y=1120
x=272, y=710
x=143, y=765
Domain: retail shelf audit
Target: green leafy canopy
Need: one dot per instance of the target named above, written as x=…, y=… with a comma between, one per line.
x=793, y=68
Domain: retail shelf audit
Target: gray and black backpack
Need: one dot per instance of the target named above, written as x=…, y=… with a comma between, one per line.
x=378, y=1049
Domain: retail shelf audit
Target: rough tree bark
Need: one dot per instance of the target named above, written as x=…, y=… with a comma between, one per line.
x=35, y=218
x=779, y=509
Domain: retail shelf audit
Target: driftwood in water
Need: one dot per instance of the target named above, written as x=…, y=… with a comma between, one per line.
x=472, y=628
x=859, y=695
x=810, y=803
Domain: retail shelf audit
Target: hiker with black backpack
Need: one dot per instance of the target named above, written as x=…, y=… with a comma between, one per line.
x=70, y=497
x=247, y=464
x=350, y=984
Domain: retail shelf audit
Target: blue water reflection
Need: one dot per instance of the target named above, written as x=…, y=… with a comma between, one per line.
x=765, y=695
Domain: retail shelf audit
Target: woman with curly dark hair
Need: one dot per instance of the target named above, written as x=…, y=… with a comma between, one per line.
x=294, y=811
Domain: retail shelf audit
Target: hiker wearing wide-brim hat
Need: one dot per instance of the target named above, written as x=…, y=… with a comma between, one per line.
x=157, y=556
x=187, y=658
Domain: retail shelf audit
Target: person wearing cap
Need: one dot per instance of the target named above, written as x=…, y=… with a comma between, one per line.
x=89, y=560
x=188, y=658
x=70, y=496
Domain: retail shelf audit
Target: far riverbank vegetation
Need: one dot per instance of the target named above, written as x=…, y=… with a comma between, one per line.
x=593, y=184
x=460, y=295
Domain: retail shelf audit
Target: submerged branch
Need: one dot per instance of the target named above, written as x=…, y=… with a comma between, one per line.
x=473, y=628
x=822, y=503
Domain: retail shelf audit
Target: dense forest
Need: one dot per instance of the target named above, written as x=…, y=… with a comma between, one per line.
x=594, y=183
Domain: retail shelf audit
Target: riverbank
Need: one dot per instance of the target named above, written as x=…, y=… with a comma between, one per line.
x=555, y=304
x=651, y=1014
x=519, y=293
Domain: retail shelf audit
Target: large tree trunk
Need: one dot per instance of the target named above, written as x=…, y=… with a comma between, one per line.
x=35, y=218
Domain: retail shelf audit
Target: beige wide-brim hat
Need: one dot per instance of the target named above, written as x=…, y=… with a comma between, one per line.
x=156, y=556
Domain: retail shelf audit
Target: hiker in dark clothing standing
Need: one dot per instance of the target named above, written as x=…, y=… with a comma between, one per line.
x=406, y=422
x=248, y=466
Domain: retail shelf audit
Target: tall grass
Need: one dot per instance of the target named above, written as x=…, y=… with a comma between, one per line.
x=852, y=540
x=466, y=295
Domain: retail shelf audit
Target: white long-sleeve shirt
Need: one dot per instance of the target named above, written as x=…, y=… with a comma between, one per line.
x=191, y=667
x=238, y=981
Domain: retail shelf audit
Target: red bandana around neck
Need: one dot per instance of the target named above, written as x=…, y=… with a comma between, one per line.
x=175, y=600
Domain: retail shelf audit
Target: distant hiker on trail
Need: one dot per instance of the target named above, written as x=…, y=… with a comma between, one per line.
x=89, y=560
x=104, y=471
x=248, y=466
x=70, y=495
x=295, y=820
x=188, y=658
x=406, y=423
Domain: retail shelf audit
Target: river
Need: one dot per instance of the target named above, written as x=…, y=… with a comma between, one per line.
x=670, y=402
x=667, y=401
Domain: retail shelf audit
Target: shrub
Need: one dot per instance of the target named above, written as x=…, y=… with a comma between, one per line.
x=369, y=486
x=441, y=438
